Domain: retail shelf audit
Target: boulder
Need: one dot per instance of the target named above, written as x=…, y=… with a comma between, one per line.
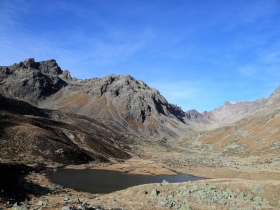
x=154, y=192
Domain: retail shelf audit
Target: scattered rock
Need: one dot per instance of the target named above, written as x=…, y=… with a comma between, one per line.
x=66, y=199
x=184, y=207
x=258, y=190
x=91, y=196
x=143, y=192
x=68, y=208
x=43, y=202
x=154, y=192
x=84, y=206
x=249, y=197
x=76, y=200
x=164, y=182
x=23, y=207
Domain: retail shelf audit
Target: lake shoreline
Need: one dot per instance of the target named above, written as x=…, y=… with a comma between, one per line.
x=130, y=166
x=98, y=181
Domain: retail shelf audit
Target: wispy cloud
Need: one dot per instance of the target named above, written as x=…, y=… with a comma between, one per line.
x=272, y=57
x=192, y=52
x=248, y=71
x=180, y=93
x=178, y=90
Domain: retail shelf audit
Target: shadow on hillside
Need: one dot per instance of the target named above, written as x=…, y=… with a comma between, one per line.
x=13, y=186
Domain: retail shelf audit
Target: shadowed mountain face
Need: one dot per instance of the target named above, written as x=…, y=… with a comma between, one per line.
x=30, y=135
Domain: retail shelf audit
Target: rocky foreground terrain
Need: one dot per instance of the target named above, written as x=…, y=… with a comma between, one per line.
x=49, y=119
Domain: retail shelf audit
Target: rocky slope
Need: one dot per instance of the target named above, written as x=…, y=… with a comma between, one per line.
x=121, y=99
x=33, y=136
x=49, y=118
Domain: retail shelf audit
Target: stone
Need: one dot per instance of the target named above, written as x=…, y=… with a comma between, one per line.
x=43, y=202
x=261, y=201
x=91, y=196
x=212, y=186
x=143, y=192
x=185, y=207
x=95, y=203
x=154, y=192
x=66, y=199
x=230, y=193
x=76, y=200
x=193, y=188
x=68, y=208
x=257, y=190
x=23, y=207
x=164, y=182
x=170, y=196
x=241, y=196
x=222, y=201
x=249, y=197
x=84, y=206
x=99, y=208
x=258, y=200
x=163, y=202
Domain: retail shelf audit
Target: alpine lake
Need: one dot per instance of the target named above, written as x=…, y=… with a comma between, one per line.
x=104, y=181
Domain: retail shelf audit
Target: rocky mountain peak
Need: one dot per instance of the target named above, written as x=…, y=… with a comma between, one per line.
x=193, y=114
x=49, y=67
x=66, y=75
x=31, y=81
x=274, y=97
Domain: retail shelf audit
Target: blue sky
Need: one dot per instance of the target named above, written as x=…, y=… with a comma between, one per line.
x=198, y=54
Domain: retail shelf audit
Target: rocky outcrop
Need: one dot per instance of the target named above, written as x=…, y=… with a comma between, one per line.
x=66, y=75
x=31, y=81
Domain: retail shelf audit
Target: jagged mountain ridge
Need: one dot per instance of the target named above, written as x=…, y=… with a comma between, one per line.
x=122, y=99
x=232, y=111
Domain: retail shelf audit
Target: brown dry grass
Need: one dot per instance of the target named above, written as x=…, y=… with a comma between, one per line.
x=68, y=100
x=78, y=99
x=58, y=95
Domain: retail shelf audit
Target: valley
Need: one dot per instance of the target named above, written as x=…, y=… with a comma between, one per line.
x=50, y=120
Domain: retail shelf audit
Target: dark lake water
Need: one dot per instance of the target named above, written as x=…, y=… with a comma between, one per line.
x=102, y=181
